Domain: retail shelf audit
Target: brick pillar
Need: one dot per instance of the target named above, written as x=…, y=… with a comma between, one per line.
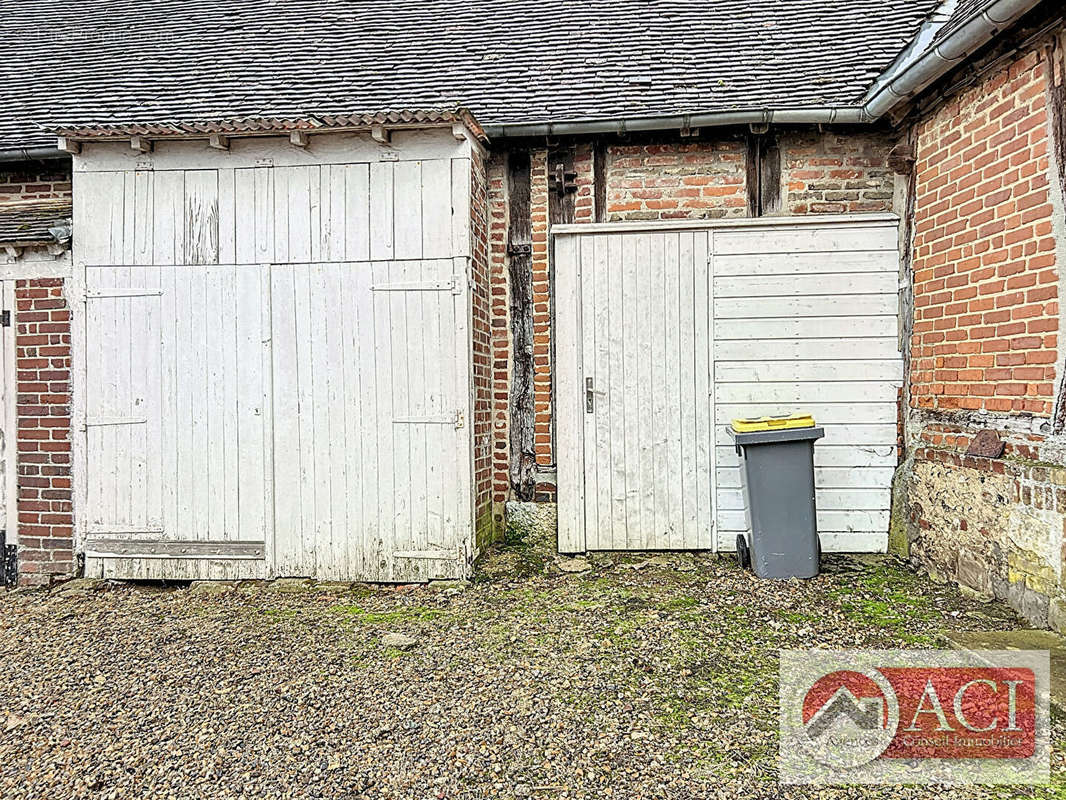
x=542, y=366
x=42, y=359
x=501, y=333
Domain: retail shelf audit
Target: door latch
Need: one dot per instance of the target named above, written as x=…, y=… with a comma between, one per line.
x=589, y=392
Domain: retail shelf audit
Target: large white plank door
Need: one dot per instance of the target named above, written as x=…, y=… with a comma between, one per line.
x=639, y=355
x=9, y=419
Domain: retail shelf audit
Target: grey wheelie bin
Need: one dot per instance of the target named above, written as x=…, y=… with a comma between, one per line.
x=777, y=476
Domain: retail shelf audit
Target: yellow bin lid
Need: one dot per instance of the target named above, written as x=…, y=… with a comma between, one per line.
x=774, y=423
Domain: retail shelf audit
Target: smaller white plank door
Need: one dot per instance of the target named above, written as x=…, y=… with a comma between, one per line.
x=640, y=356
x=371, y=405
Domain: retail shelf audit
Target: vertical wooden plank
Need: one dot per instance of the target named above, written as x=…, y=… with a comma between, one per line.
x=369, y=475
x=220, y=322
x=330, y=176
x=287, y=462
x=617, y=394
x=587, y=260
x=197, y=377
x=382, y=218
x=339, y=373
x=460, y=206
x=658, y=420
x=702, y=307
x=314, y=193
x=305, y=416
x=231, y=314
x=168, y=195
x=351, y=420
x=245, y=395
x=227, y=217
x=299, y=210
x=144, y=217
x=463, y=398
x=641, y=341
x=263, y=214
x=320, y=374
x=282, y=211
x=404, y=396
x=601, y=537
x=201, y=216
x=686, y=371
x=630, y=389
x=436, y=355
x=672, y=390
x=244, y=184
x=125, y=241
x=357, y=212
x=101, y=200
x=570, y=408
x=408, y=224
x=436, y=200
x=383, y=536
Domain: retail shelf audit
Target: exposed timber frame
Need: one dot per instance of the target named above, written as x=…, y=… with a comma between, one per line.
x=523, y=466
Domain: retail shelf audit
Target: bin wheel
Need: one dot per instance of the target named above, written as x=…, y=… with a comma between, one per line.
x=743, y=554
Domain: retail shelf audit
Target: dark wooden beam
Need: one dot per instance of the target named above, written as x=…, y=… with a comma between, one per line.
x=523, y=467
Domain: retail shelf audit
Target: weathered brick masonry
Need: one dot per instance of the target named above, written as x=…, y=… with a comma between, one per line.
x=987, y=251
x=34, y=181
x=43, y=364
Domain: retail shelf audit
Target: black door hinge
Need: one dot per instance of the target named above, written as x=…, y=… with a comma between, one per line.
x=5, y=318
x=9, y=561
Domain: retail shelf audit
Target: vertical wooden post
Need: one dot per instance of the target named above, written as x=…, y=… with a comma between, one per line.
x=523, y=466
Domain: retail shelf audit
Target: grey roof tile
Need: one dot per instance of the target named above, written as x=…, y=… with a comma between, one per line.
x=107, y=61
x=28, y=221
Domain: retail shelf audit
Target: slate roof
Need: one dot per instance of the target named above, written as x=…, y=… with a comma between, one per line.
x=105, y=61
x=28, y=221
x=965, y=10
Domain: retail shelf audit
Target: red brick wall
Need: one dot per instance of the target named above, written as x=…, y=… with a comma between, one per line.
x=481, y=333
x=985, y=276
x=542, y=377
x=42, y=361
x=34, y=182
x=702, y=179
x=501, y=330
x=836, y=173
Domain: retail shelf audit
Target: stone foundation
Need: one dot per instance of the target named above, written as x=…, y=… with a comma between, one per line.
x=995, y=526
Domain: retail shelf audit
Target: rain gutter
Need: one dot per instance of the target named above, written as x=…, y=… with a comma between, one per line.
x=915, y=69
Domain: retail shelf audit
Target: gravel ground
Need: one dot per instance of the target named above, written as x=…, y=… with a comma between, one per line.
x=645, y=677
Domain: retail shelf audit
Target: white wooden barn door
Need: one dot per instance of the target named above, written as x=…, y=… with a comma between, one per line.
x=642, y=344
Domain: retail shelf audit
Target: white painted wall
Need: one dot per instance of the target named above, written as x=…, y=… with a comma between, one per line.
x=273, y=351
x=801, y=315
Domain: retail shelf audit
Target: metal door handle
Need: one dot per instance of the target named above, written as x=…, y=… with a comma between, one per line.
x=590, y=393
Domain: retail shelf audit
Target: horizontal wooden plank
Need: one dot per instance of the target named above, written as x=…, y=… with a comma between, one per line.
x=789, y=264
x=828, y=521
x=829, y=455
x=809, y=370
x=772, y=349
x=877, y=434
x=824, y=477
x=103, y=546
x=815, y=305
x=829, y=239
x=824, y=413
x=831, y=542
x=827, y=499
x=848, y=283
x=804, y=328
x=807, y=391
